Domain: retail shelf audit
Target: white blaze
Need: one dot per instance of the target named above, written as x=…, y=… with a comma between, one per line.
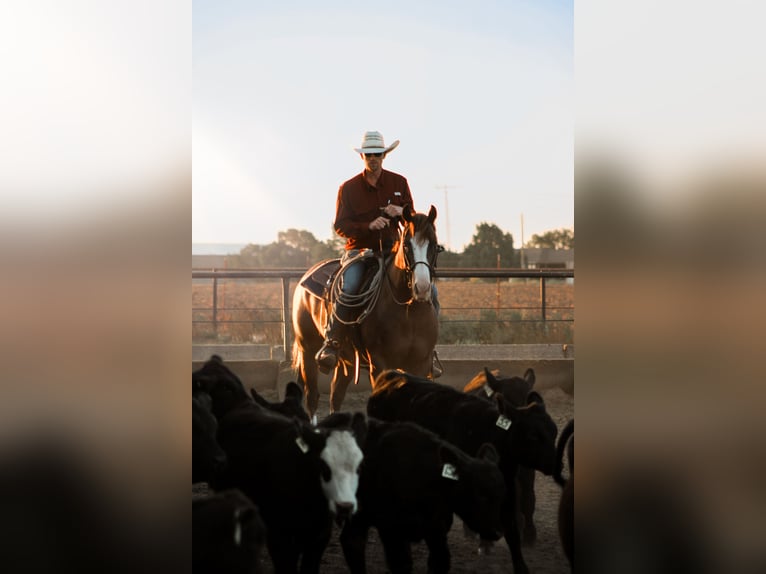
x=343, y=455
x=421, y=274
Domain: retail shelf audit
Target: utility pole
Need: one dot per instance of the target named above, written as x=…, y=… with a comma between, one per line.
x=445, y=188
x=521, y=249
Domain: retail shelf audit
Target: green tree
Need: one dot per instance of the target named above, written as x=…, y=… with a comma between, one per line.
x=293, y=248
x=556, y=239
x=487, y=244
x=448, y=258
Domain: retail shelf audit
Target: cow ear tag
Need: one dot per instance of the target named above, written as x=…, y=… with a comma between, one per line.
x=488, y=390
x=302, y=444
x=237, y=529
x=503, y=422
x=449, y=471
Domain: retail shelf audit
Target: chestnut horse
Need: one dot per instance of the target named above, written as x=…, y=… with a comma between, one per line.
x=399, y=330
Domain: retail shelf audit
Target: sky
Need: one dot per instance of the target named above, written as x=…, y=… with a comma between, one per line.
x=480, y=95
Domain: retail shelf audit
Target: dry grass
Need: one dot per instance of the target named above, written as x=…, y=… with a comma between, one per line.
x=472, y=311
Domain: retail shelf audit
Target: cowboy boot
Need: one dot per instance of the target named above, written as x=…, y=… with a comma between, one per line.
x=327, y=355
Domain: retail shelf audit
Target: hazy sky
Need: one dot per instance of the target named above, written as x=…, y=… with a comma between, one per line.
x=479, y=93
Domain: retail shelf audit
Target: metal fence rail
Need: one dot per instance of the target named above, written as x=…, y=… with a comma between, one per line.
x=286, y=274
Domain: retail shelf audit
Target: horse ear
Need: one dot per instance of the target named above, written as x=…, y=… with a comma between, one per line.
x=407, y=212
x=431, y=214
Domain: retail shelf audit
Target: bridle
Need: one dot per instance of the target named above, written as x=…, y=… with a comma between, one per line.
x=409, y=268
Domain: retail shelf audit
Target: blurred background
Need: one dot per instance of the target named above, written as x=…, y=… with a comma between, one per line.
x=670, y=209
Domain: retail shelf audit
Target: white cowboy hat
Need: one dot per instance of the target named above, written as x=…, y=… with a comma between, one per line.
x=372, y=142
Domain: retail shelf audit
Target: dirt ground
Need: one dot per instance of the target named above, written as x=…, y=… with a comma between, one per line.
x=545, y=557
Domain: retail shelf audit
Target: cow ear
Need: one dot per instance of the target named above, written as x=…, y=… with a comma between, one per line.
x=294, y=392
x=431, y=215
x=407, y=212
x=359, y=428
x=488, y=452
x=529, y=376
x=505, y=407
x=313, y=438
x=492, y=379
x=447, y=455
x=535, y=397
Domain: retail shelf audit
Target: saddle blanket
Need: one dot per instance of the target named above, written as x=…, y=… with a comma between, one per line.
x=317, y=279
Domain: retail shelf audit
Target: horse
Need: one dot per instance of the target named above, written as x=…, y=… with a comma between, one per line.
x=397, y=329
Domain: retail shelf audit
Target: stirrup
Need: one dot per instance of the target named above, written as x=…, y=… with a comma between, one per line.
x=327, y=355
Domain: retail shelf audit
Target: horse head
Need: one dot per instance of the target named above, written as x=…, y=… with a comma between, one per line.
x=417, y=251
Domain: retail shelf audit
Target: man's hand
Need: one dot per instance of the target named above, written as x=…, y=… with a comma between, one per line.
x=392, y=210
x=379, y=223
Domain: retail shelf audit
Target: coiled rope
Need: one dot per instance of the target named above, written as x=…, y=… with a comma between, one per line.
x=365, y=300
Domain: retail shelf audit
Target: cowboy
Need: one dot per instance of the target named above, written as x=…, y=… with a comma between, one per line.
x=367, y=214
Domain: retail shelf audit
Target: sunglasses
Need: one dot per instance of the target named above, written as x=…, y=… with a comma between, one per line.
x=373, y=155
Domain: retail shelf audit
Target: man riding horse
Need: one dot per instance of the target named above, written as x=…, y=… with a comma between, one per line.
x=368, y=213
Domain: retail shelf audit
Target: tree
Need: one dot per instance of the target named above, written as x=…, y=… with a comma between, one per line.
x=556, y=239
x=487, y=244
x=293, y=248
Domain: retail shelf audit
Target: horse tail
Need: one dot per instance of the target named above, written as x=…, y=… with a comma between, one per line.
x=297, y=360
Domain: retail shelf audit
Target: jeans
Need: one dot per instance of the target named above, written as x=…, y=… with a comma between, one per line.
x=352, y=275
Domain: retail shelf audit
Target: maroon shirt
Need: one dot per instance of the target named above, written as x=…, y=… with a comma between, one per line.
x=359, y=203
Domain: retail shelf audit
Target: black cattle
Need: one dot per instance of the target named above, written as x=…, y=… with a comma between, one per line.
x=228, y=391
x=411, y=483
x=515, y=391
x=524, y=435
x=222, y=384
x=299, y=477
x=291, y=406
x=227, y=534
x=566, y=503
x=208, y=458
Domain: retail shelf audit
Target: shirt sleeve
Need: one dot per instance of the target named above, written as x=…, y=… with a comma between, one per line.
x=345, y=224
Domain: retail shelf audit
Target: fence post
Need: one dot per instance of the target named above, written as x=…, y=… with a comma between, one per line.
x=286, y=331
x=542, y=296
x=215, y=305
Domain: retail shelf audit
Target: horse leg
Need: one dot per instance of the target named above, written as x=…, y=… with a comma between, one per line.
x=309, y=374
x=338, y=389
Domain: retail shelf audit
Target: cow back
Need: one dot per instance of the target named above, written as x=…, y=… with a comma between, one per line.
x=412, y=482
x=523, y=435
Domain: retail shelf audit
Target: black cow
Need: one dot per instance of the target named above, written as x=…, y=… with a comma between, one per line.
x=566, y=503
x=227, y=534
x=523, y=435
x=411, y=483
x=515, y=391
x=228, y=391
x=291, y=406
x=298, y=475
x=220, y=382
x=208, y=458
